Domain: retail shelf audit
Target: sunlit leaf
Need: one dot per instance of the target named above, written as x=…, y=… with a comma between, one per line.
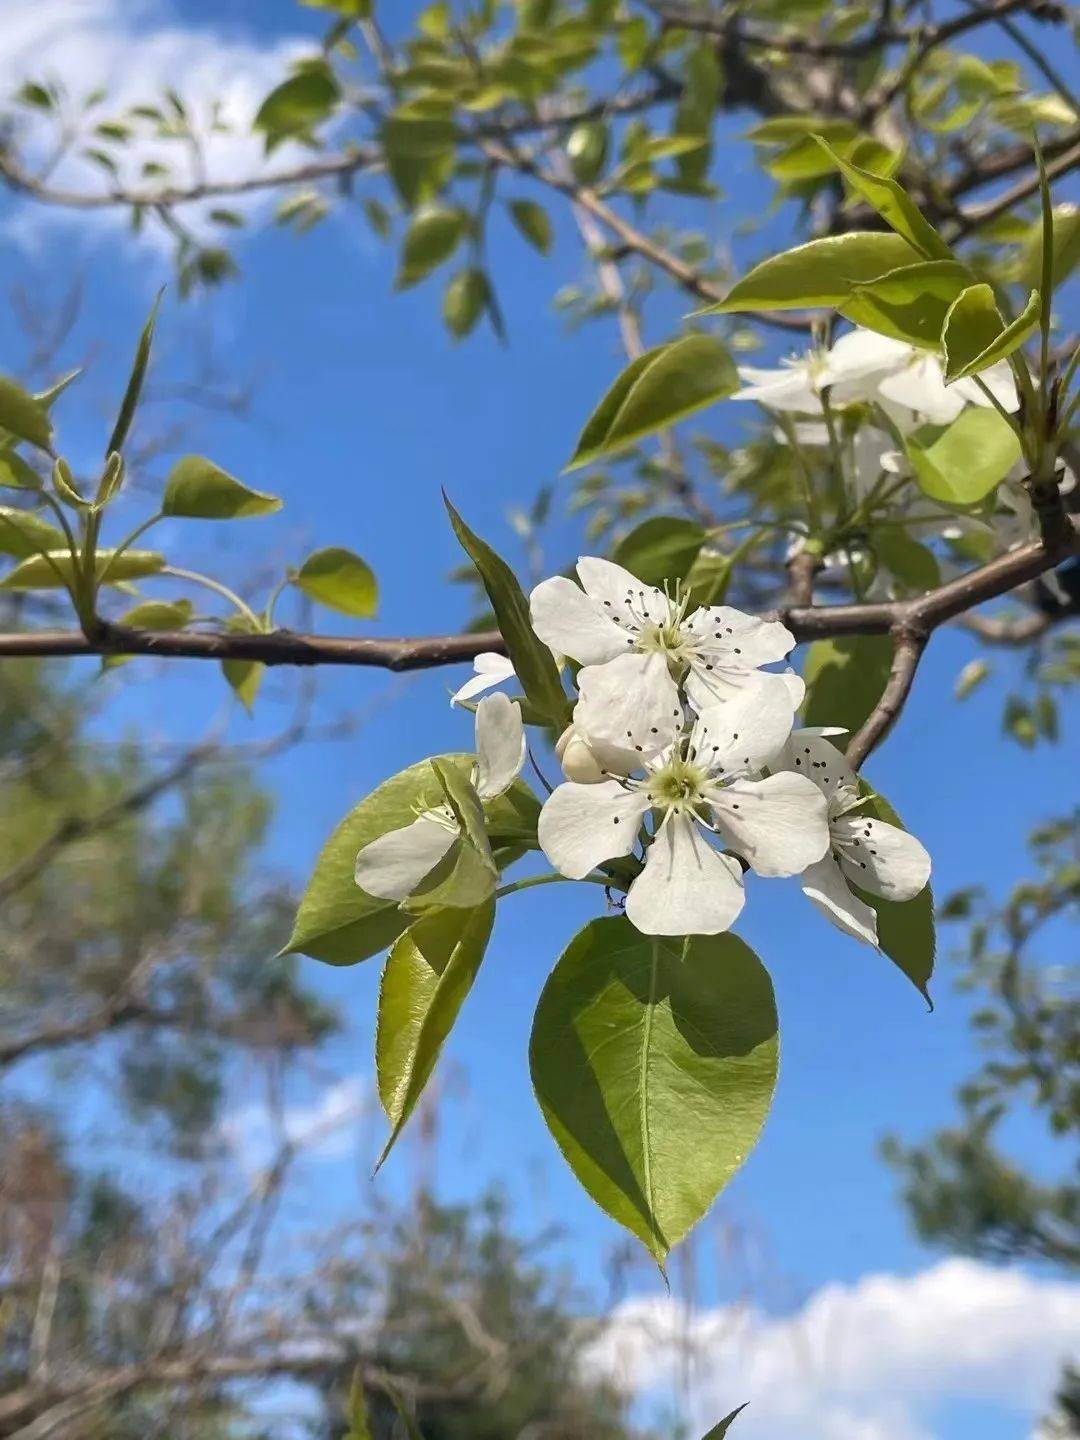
x=199, y=489
x=821, y=272
x=340, y=580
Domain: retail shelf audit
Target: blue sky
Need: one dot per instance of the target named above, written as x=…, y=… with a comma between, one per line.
x=363, y=409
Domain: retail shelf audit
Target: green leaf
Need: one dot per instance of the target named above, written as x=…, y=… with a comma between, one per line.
x=654, y=1062
x=821, y=272
x=432, y=238
x=905, y=928
x=587, y=151
x=663, y=385
x=466, y=876
x=298, y=105
x=966, y=460
x=1026, y=269
x=661, y=548
x=23, y=415
x=893, y=204
x=911, y=303
x=244, y=677
x=357, y=1416
x=16, y=474
x=130, y=402
x=913, y=563
x=975, y=336
x=419, y=155
x=844, y=679
x=37, y=573
x=709, y=578
x=534, y=223
x=199, y=489
x=339, y=923
x=340, y=580
x=151, y=615
x=719, y=1431
x=22, y=533
x=533, y=661
x=428, y=974
x=467, y=296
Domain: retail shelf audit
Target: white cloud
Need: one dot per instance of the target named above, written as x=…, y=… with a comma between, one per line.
x=324, y=1127
x=868, y=1361
x=137, y=49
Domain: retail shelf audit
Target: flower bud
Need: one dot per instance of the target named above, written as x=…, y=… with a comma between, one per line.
x=577, y=760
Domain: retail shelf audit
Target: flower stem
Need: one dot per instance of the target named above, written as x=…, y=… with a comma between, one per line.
x=549, y=878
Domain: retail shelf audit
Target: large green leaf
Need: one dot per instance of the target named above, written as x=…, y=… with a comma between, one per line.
x=844, y=679
x=23, y=415
x=654, y=1062
x=432, y=238
x=38, y=573
x=295, y=107
x=975, y=336
x=533, y=661
x=661, y=548
x=199, y=489
x=821, y=272
x=893, y=204
x=339, y=579
x=22, y=533
x=419, y=154
x=911, y=303
x=429, y=972
x=905, y=928
x=662, y=386
x=967, y=460
x=339, y=923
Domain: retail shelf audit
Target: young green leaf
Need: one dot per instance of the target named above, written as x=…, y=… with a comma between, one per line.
x=642, y=1046
x=22, y=533
x=533, y=221
x=905, y=928
x=16, y=474
x=244, y=677
x=23, y=415
x=467, y=297
x=893, y=204
x=720, y=1430
x=844, y=679
x=821, y=272
x=432, y=238
x=151, y=615
x=967, y=460
x=661, y=548
x=340, y=580
x=295, y=107
x=199, y=489
x=533, y=661
x=913, y=564
x=975, y=336
x=428, y=974
x=419, y=154
x=130, y=402
x=663, y=385
x=911, y=303
x=37, y=572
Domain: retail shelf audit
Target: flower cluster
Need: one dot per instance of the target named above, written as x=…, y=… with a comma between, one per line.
x=682, y=767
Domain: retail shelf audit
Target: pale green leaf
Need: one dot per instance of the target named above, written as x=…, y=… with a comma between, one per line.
x=23, y=533
x=893, y=204
x=467, y=874
x=298, y=105
x=431, y=238
x=23, y=415
x=821, y=272
x=975, y=336
x=661, y=548
x=467, y=297
x=199, y=489
x=16, y=474
x=966, y=460
x=911, y=303
x=533, y=221
x=244, y=677
x=905, y=928
x=844, y=679
x=130, y=402
x=340, y=580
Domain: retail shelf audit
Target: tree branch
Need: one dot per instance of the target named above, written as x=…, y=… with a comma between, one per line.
x=907, y=652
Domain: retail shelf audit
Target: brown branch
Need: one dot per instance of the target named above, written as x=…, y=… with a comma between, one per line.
x=907, y=652
x=980, y=215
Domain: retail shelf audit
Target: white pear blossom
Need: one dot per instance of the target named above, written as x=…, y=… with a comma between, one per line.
x=489, y=670
x=715, y=651
x=692, y=784
x=393, y=864
x=877, y=857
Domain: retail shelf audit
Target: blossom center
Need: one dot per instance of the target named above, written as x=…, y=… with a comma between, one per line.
x=678, y=784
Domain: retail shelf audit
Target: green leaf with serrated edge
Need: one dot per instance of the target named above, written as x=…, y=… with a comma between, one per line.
x=431, y=238
x=821, y=272
x=533, y=661
x=913, y=563
x=844, y=679
x=654, y=1061
x=467, y=874
x=975, y=336
x=198, y=489
x=22, y=533
x=967, y=460
x=533, y=221
x=340, y=580
x=911, y=303
x=893, y=204
x=130, y=402
x=661, y=548
x=23, y=415
x=16, y=474
x=905, y=928
x=663, y=385
x=719, y=1431
x=37, y=573
x=339, y=923
x=244, y=677
x=428, y=974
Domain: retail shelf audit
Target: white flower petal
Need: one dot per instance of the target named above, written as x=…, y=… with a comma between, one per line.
x=920, y=386
x=491, y=669
x=789, y=389
x=621, y=594
x=686, y=887
x=393, y=864
x=748, y=731
x=825, y=885
x=864, y=352
x=778, y=825
x=722, y=685
x=571, y=623
x=500, y=745
x=628, y=710
x=748, y=641
x=582, y=825
x=796, y=687
x=577, y=759
x=879, y=857
x=809, y=753
x=998, y=380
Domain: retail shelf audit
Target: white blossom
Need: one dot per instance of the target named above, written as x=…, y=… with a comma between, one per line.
x=692, y=784
x=393, y=864
x=877, y=857
x=490, y=670
x=715, y=651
